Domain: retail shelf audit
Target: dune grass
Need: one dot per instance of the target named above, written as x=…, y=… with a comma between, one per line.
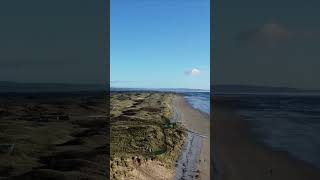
x=140, y=127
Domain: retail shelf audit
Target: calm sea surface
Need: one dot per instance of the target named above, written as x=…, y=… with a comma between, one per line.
x=199, y=100
x=286, y=123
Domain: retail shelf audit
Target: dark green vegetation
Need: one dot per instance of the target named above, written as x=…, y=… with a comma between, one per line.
x=140, y=127
x=52, y=136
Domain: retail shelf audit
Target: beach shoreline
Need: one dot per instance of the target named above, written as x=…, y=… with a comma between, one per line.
x=239, y=155
x=198, y=123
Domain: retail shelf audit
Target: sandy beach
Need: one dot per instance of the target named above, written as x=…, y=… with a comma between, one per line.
x=198, y=123
x=238, y=156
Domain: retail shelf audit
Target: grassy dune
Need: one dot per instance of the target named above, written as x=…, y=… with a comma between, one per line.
x=52, y=137
x=141, y=132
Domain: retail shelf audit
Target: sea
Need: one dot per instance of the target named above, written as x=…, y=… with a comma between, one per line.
x=288, y=123
x=199, y=100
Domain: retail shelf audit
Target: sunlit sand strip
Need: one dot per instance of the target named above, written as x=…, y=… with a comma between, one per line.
x=194, y=161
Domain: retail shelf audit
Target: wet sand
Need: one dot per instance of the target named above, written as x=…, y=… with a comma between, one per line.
x=197, y=166
x=239, y=157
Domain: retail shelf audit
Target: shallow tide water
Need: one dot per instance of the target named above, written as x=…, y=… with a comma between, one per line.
x=285, y=123
x=199, y=100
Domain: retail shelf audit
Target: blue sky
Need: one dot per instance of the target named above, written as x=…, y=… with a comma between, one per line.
x=160, y=44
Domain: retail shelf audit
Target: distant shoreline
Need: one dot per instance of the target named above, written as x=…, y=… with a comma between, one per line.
x=164, y=90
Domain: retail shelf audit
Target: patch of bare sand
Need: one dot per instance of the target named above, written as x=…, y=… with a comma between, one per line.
x=152, y=170
x=204, y=164
x=197, y=122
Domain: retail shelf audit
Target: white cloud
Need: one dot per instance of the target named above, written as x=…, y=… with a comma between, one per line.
x=193, y=72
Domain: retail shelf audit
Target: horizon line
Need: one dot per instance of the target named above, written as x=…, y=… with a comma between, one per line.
x=159, y=88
